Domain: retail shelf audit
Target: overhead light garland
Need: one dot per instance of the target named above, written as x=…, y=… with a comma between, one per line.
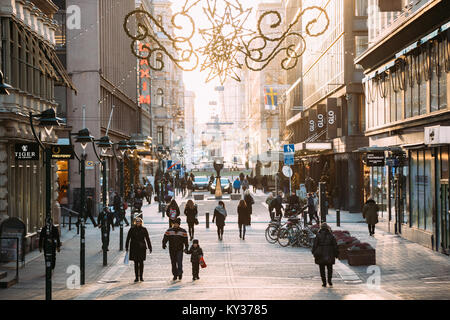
x=226, y=41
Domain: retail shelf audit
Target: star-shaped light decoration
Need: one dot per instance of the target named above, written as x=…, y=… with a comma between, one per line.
x=224, y=40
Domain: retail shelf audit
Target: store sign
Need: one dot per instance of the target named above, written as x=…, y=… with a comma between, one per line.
x=333, y=116
x=321, y=118
x=144, y=78
x=62, y=152
x=26, y=151
x=312, y=122
x=375, y=159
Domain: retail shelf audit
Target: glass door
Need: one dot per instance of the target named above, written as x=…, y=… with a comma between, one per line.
x=443, y=226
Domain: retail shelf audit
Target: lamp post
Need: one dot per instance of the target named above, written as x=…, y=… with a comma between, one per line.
x=47, y=119
x=104, y=144
x=131, y=147
x=218, y=165
x=122, y=147
x=83, y=137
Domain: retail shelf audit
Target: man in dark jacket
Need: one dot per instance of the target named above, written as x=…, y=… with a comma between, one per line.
x=325, y=251
x=105, y=222
x=119, y=210
x=177, y=238
x=50, y=242
x=276, y=204
x=90, y=210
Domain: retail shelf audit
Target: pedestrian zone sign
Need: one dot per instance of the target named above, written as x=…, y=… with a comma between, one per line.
x=289, y=159
x=289, y=148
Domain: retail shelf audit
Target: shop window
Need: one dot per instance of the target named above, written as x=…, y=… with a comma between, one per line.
x=63, y=181
x=160, y=97
x=414, y=208
x=429, y=173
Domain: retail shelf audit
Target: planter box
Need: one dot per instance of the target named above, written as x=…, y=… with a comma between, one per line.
x=343, y=251
x=361, y=257
x=235, y=196
x=199, y=197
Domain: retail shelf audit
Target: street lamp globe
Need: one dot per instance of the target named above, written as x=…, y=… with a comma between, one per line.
x=105, y=144
x=48, y=120
x=84, y=137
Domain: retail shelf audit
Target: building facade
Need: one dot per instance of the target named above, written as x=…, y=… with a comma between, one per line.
x=406, y=84
x=331, y=124
x=96, y=52
x=30, y=65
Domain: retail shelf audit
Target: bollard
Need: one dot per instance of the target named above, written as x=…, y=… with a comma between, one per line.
x=207, y=220
x=338, y=217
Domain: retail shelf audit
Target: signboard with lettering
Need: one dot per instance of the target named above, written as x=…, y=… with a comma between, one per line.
x=333, y=116
x=144, y=78
x=312, y=122
x=321, y=119
x=62, y=152
x=26, y=151
x=375, y=159
x=288, y=159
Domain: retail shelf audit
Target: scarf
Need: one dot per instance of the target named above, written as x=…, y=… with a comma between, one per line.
x=221, y=210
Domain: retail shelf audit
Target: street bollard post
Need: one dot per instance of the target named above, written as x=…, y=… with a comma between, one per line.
x=338, y=217
x=207, y=220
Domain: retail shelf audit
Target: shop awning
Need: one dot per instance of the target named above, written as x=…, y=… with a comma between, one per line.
x=378, y=149
x=314, y=146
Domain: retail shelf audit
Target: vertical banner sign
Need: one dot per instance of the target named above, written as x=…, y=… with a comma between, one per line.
x=321, y=120
x=332, y=117
x=144, y=80
x=312, y=122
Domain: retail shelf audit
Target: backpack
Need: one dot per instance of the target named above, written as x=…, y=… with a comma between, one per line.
x=172, y=213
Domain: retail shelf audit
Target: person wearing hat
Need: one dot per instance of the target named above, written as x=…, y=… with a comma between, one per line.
x=325, y=251
x=196, y=253
x=136, y=241
x=177, y=238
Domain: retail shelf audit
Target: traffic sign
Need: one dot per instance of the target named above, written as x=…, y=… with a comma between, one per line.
x=287, y=171
x=289, y=148
x=169, y=164
x=289, y=159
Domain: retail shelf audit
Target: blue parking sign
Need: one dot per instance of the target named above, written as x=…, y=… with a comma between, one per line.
x=289, y=148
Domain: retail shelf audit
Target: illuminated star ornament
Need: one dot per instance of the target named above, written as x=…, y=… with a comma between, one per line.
x=224, y=40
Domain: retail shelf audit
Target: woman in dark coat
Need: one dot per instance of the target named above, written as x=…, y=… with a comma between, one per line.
x=220, y=215
x=370, y=213
x=243, y=218
x=191, y=217
x=138, y=236
x=325, y=251
x=249, y=202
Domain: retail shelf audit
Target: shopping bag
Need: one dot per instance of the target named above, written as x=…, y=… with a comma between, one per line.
x=202, y=262
x=126, y=260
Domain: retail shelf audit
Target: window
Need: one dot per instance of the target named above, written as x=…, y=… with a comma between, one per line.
x=160, y=97
x=361, y=8
x=160, y=133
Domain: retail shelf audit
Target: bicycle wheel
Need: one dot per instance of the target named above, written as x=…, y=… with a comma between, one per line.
x=286, y=236
x=271, y=233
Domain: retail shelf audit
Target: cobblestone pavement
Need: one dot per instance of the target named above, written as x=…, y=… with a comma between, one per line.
x=238, y=269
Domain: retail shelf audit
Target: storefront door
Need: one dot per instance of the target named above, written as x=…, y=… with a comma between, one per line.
x=397, y=195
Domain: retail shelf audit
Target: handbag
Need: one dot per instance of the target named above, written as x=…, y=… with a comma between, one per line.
x=196, y=221
x=126, y=259
x=202, y=262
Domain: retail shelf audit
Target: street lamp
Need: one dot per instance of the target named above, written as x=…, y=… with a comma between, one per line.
x=122, y=146
x=84, y=138
x=48, y=119
x=104, y=144
x=218, y=165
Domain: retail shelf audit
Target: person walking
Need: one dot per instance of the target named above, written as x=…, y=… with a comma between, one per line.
x=249, y=201
x=243, y=218
x=264, y=183
x=277, y=205
x=325, y=252
x=105, y=222
x=49, y=240
x=177, y=238
x=245, y=185
x=190, y=186
x=183, y=186
x=90, y=210
x=237, y=185
x=370, y=213
x=138, y=241
x=196, y=253
x=119, y=210
x=269, y=200
x=312, y=213
x=173, y=212
x=149, y=192
x=191, y=212
x=220, y=214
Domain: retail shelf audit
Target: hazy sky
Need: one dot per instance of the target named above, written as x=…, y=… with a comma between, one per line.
x=195, y=80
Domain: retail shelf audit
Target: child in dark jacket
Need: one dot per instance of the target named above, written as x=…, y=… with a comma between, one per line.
x=196, y=253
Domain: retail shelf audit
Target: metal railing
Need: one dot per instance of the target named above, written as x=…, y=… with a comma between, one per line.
x=71, y=214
